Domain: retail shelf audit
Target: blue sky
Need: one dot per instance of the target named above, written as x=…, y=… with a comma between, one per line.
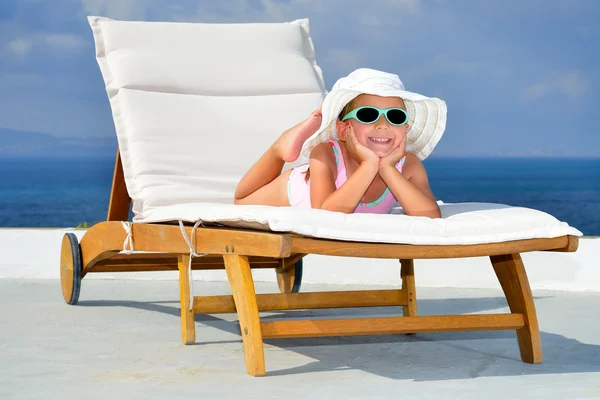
x=520, y=77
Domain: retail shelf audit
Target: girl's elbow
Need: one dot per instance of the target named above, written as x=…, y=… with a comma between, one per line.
x=433, y=214
x=333, y=208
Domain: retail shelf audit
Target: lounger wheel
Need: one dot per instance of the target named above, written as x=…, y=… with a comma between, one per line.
x=297, y=277
x=70, y=268
x=290, y=279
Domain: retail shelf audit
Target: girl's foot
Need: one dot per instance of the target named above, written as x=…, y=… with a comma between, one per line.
x=289, y=144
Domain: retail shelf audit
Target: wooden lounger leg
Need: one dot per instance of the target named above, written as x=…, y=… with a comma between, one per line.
x=188, y=329
x=513, y=279
x=244, y=296
x=407, y=273
x=285, y=278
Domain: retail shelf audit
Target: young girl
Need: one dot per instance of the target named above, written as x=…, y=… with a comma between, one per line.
x=367, y=169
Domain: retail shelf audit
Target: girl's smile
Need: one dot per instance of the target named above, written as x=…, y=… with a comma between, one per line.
x=380, y=140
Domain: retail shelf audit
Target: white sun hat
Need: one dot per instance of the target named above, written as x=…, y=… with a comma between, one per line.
x=426, y=115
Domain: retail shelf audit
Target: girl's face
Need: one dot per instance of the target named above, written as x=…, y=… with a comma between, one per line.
x=381, y=137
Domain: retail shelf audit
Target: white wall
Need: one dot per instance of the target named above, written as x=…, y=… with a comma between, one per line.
x=35, y=253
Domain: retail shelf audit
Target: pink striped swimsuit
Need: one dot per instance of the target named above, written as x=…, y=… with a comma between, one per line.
x=299, y=189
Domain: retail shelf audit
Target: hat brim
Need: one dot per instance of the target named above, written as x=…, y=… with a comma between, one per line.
x=426, y=118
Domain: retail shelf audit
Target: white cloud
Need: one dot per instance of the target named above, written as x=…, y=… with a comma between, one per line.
x=342, y=61
x=275, y=10
x=118, y=9
x=65, y=41
x=344, y=12
x=412, y=6
x=249, y=10
x=383, y=12
x=571, y=84
x=20, y=47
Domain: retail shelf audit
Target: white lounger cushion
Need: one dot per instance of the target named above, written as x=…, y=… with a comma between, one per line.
x=195, y=105
x=461, y=223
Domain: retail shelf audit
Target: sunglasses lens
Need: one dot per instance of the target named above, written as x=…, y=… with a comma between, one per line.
x=396, y=116
x=367, y=115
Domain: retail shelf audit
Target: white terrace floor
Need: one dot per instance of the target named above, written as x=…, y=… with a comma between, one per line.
x=122, y=341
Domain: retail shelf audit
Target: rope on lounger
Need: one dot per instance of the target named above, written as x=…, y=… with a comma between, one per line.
x=129, y=239
x=192, y=245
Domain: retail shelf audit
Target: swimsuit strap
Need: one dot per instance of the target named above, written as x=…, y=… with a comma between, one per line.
x=400, y=163
x=339, y=162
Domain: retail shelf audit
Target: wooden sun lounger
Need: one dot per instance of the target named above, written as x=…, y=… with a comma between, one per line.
x=239, y=250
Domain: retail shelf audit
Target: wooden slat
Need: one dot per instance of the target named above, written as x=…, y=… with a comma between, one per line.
x=297, y=301
x=134, y=268
x=390, y=325
x=405, y=251
x=211, y=241
x=166, y=267
x=123, y=258
x=572, y=245
x=141, y=262
x=104, y=240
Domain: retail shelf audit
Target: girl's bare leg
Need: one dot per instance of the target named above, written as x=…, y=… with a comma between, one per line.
x=264, y=184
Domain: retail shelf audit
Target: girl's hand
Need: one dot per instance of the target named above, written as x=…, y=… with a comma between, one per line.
x=396, y=155
x=364, y=154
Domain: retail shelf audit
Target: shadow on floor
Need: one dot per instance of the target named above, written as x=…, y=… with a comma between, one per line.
x=420, y=357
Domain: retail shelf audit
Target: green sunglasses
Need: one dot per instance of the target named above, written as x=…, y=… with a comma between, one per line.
x=369, y=115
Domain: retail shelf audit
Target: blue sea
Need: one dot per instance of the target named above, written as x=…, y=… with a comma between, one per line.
x=53, y=192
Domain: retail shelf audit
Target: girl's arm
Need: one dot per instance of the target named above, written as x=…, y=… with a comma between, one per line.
x=323, y=193
x=413, y=193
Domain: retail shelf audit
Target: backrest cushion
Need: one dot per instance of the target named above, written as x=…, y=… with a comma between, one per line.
x=195, y=105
